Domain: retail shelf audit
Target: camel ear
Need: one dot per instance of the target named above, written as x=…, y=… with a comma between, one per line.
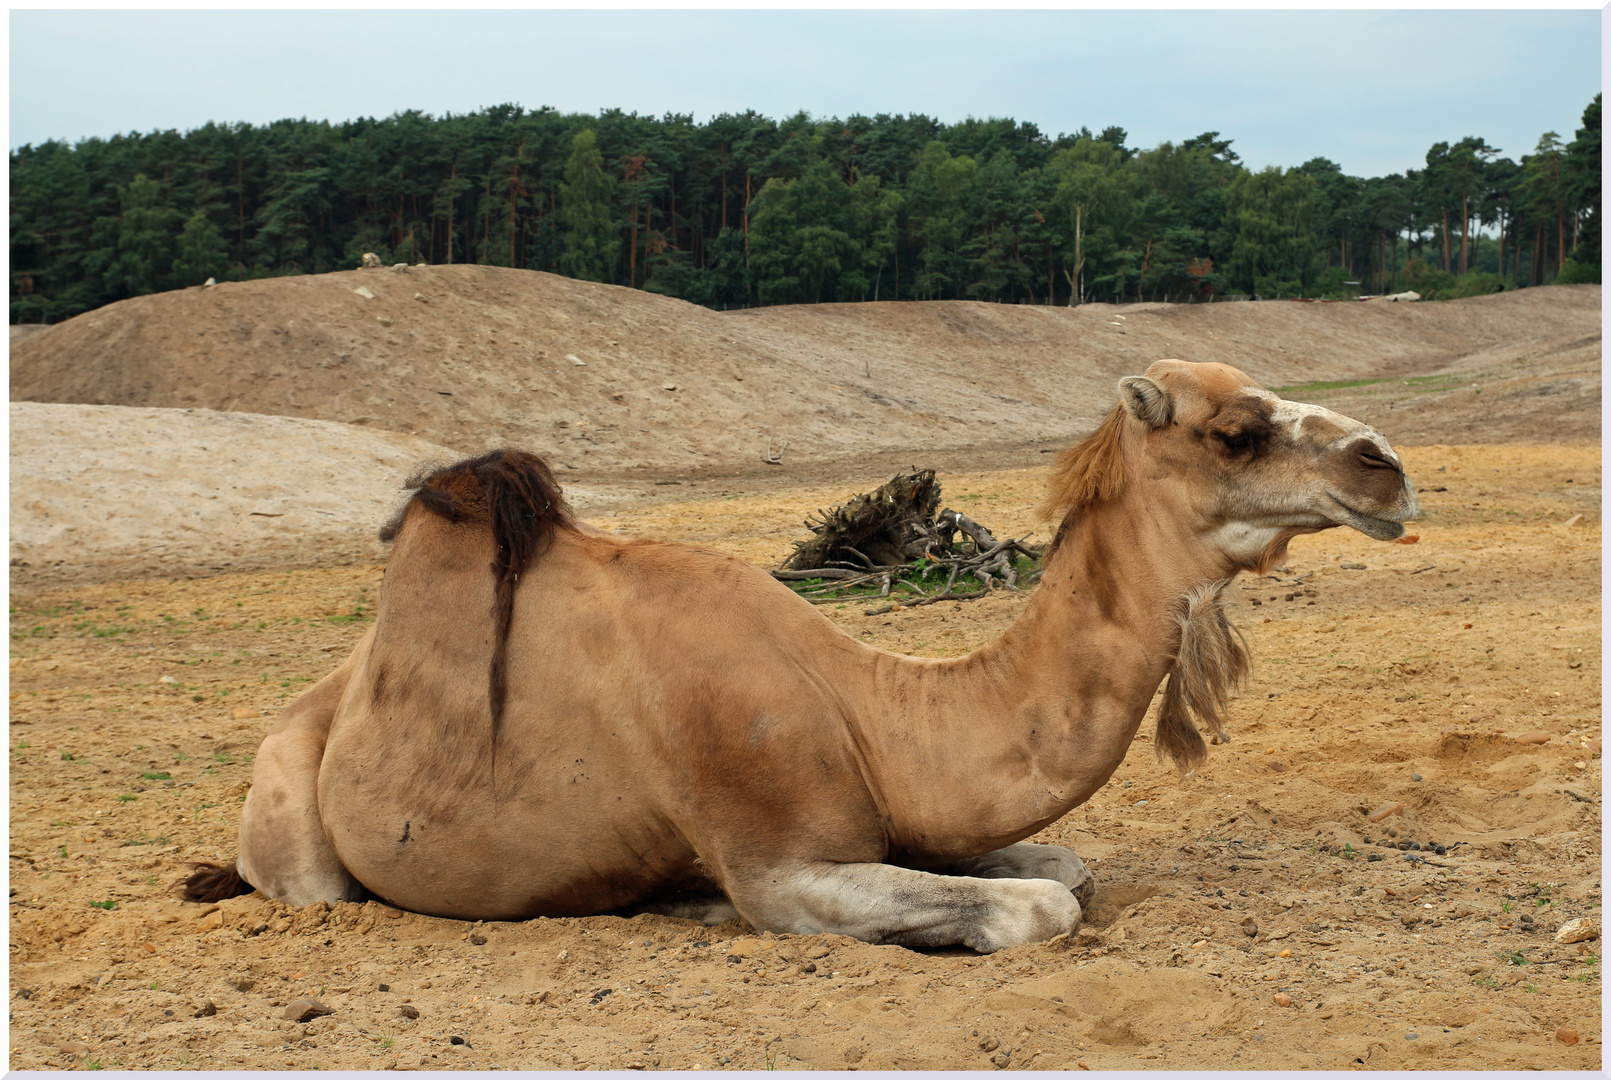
x=1146, y=400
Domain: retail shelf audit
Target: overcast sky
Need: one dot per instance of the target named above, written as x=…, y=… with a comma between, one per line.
x=1369, y=89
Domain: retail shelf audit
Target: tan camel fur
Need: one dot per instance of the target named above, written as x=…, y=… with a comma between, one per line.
x=549, y=721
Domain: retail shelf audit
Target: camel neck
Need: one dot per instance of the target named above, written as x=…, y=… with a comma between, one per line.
x=1034, y=723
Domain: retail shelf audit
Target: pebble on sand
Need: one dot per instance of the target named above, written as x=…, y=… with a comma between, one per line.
x=1282, y=1001
x=304, y=1009
x=1533, y=738
x=1575, y=930
x=1385, y=811
x=1567, y=1036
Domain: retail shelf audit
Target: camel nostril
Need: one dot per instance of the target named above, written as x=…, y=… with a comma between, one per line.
x=1372, y=458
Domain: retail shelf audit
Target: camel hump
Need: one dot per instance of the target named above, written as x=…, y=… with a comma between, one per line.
x=514, y=493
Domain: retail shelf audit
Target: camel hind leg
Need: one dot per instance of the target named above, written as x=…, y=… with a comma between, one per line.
x=1049, y=861
x=284, y=852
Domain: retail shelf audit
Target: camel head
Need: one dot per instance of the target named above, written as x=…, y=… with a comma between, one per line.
x=1245, y=469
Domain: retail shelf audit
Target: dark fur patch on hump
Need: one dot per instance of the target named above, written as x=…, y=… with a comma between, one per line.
x=513, y=492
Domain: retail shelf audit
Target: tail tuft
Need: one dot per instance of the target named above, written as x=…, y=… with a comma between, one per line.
x=211, y=883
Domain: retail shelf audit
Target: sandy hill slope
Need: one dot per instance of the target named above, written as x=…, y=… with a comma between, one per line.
x=469, y=356
x=106, y=491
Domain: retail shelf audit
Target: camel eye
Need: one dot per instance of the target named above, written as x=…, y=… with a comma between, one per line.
x=1244, y=439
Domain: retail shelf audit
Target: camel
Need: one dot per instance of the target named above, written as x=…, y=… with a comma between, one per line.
x=547, y=720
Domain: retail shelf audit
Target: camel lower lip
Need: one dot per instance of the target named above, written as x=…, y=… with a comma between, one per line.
x=1379, y=528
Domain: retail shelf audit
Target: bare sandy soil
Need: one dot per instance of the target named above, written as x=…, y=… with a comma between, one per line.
x=1247, y=916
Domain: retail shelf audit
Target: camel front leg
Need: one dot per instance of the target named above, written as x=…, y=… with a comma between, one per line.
x=892, y=905
x=285, y=853
x=1047, y=861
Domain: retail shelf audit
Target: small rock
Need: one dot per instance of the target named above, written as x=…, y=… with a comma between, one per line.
x=390, y=912
x=208, y=1009
x=478, y=939
x=421, y=298
x=989, y=1044
x=817, y=952
x=577, y=360
x=1385, y=811
x=1576, y=930
x=383, y=988
x=668, y=386
x=1285, y=954
x=1416, y=777
x=242, y=983
x=73, y=1047
x=1411, y=1037
x=1353, y=566
x=365, y=293
x=459, y=1040
x=1001, y=1060
x=1533, y=738
x=209, y=283
x=168, y=680
x=399, y=268
x=247, y=714
x=1282, y=1000
x=304, y=1009
x=408, y=1012
x=1567, y=1036
x=1249, y=927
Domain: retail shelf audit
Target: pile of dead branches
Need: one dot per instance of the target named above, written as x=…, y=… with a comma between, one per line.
x=897, y=538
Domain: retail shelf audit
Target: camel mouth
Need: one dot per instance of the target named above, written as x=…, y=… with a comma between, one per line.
x=1377, y=528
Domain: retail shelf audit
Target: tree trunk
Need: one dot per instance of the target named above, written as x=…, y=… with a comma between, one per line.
x=1501, y=246
x=1445, y=241
x=632, y=254
x=1465, y=228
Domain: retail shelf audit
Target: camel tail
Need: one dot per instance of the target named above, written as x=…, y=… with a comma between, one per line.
x=211, y=883
x=515, y=493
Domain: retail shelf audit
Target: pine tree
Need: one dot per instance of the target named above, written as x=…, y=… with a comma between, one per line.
x=590, y=243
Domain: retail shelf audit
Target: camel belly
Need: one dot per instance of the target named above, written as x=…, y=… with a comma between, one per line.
x=489, y=863
x=507, y=836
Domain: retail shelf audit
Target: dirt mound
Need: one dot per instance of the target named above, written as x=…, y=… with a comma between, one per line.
x=99, y=492
x=607, y=379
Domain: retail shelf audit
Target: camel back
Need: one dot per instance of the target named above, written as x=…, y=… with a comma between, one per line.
x=513, y=493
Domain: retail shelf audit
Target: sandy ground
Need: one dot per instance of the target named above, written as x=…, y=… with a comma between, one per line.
x=1247, y=916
